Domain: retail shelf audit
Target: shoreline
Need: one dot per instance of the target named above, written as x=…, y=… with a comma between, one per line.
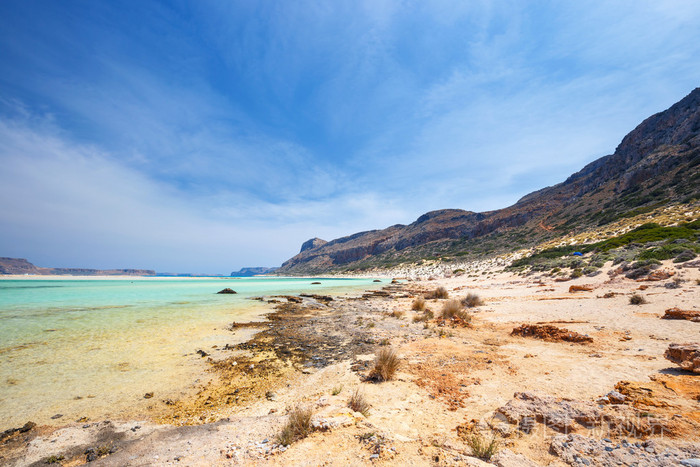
x=449, y=376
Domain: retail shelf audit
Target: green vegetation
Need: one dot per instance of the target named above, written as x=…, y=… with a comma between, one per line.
x=482, y=449
x=647, y=242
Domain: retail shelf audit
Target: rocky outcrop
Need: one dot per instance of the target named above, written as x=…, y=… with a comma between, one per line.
x=651, y=163
x=687, y=356
x=313, y=243
x=677, y=313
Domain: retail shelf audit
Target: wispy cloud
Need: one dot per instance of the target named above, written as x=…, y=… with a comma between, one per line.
x=225, y=133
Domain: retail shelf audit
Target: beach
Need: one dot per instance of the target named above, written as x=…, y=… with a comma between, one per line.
x=453, y=383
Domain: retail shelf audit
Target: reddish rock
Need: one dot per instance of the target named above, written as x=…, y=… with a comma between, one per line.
x=687, y=356
x=677, y=313
x=549, y=333
x=580, y=288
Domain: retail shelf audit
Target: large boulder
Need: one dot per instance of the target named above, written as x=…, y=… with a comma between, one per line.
x=687, y=356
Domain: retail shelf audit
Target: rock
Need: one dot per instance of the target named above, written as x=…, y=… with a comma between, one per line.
x=227, y=291
x=687, y=356
x=613, y=397
x=27, y=427
x=148, y=395
x=315, y=283
x=57, y=416
x=691, y=462
x=202, y=353
x=677, y=313
x=560, y=415
x=507, y=458
x=271, y=396
x=376, y=280
x=549, y=333
x=580, y=288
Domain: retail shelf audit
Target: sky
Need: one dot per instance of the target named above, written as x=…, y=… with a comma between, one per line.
x=205, y=136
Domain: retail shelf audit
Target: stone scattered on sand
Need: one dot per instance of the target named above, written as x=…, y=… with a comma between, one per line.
x=677, y=313
x=581, y=450
x=561, y=415
x=687, y=356
x=507, y=458
x=202, y=353
x=549, y=333
x=227, y=291
x=580, y=288
x=148, y=395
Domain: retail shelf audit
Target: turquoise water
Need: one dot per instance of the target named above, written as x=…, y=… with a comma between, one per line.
x=92, y=348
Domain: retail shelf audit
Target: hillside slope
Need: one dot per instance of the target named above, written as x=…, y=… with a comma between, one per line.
x=655, y=164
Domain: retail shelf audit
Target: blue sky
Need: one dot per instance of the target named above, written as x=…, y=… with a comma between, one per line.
x=205, y=136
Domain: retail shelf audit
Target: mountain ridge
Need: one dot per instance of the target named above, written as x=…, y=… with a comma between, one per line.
x=657, y=162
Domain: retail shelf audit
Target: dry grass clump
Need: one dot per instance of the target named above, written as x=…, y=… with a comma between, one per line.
x=298, y=426
x=637, y=299
x=396, y=314
x=482, y=449
x=426, y=316
x=418, y=304
x=472, y=300
x=358, y=403
x=439, y=292
x=454, y=310
x=385, y=365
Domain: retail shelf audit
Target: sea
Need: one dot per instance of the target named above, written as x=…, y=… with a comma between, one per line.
x=90, y=349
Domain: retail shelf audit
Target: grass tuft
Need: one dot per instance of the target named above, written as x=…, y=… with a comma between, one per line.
x=385, y=365
x=358, y=403
x=298, y=426
x=337, y=390
x=418, y=304
x=439, y=292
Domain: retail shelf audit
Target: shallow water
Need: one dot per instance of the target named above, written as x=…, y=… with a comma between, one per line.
x=93, y=348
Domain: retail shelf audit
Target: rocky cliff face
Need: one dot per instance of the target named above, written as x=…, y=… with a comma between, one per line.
x=658, y=162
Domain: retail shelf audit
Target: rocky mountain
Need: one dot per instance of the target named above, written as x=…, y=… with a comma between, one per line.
x=657, y=163
x=255, y=271
x=21, y=266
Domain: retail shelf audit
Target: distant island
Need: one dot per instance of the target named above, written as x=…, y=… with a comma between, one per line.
x=254, y=271
x=20, y=266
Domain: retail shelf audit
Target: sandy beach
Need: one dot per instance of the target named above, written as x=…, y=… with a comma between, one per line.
x=454, y=382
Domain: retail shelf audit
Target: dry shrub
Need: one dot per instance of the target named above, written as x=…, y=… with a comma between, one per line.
x=439, y=292
x=298, y=426
x=637, y=299
x=418, y=304
x=385, y=365
x=472, y=300
x=358, y=403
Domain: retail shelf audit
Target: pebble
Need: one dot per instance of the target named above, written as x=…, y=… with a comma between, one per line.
x=691, y=462
x=649, y=449
x=374, y=456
